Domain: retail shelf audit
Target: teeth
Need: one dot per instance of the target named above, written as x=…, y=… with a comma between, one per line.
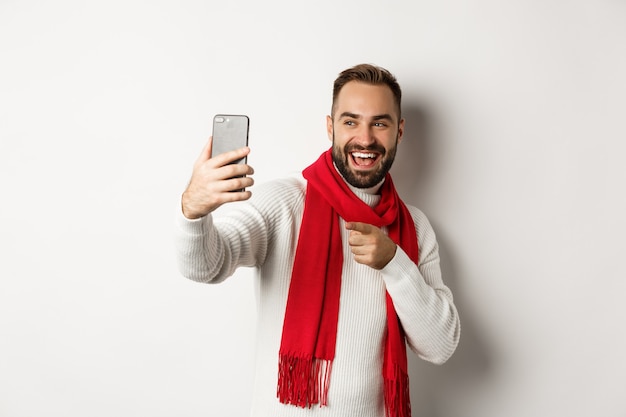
x=363, y=155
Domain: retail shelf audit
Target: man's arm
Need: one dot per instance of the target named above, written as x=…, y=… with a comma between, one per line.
x=210, y=253
x=422, y=301
x=211, y=248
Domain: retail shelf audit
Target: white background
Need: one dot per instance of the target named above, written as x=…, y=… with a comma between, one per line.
x=515, y=143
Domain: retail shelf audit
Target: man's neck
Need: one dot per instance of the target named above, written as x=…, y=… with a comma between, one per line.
x=369, y=195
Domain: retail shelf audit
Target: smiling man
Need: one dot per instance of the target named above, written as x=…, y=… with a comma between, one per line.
x=348, y=274
x=367, y=130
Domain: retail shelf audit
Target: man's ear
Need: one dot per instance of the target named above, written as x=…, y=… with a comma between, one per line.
x=329, y=128
x=400, y=130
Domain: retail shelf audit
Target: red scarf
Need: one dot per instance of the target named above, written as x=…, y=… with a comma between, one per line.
x=310, y=327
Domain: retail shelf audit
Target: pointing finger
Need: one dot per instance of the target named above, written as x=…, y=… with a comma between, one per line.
x=359, y=227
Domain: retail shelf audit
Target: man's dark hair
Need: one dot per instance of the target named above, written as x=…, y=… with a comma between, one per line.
x=369, y=74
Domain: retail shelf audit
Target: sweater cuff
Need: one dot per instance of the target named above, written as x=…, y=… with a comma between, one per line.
x=194, y=226
x=396, y=271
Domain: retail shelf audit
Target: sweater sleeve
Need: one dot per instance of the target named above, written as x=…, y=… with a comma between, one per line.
x=422, y=301
x=240, y=234
x=211, y=248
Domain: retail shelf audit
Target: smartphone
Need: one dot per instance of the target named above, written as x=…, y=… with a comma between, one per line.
x=230, y=132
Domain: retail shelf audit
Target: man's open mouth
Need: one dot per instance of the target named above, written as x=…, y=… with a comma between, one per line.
x=364, y=159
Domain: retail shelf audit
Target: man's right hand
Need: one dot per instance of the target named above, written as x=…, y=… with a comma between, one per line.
x=213, y=181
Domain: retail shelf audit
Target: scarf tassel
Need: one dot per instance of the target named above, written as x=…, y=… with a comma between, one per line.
x=397, y=394
x=303, y=381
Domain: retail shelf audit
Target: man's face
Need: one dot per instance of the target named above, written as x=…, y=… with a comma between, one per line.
x=365, y=132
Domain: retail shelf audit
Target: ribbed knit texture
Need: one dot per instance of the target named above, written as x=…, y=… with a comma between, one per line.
x=263, y=232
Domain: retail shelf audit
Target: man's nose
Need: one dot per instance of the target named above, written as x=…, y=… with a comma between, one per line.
x=366, y=136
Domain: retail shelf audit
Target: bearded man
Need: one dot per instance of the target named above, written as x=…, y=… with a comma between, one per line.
x=348, y=275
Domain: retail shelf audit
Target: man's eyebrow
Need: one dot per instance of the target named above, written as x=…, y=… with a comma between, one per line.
x=358, y=116
x=349, y=115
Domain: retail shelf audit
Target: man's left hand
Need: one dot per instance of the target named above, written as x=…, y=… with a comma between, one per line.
x=370, y=245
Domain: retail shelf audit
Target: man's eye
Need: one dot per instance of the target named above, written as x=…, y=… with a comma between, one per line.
x=379, y=124
x=349, y=123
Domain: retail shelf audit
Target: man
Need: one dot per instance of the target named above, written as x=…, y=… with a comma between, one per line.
x=347, y=273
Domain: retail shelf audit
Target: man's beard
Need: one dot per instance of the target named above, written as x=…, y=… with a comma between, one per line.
x=360, y=179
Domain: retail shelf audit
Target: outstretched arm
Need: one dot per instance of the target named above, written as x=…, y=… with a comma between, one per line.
x=207, y=252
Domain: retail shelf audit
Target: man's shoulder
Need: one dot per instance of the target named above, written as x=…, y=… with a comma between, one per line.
x=415, y=212
x=290, y=185
x=287, y=191
x=422, y=224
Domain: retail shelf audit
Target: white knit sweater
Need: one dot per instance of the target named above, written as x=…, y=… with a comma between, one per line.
x=263, y=233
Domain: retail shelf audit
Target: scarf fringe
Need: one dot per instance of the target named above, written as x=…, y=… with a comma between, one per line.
x=397, y=394
x=303, y=381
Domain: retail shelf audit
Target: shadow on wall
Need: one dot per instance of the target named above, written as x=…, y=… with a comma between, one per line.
x=431, y=385
x=411, y=169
